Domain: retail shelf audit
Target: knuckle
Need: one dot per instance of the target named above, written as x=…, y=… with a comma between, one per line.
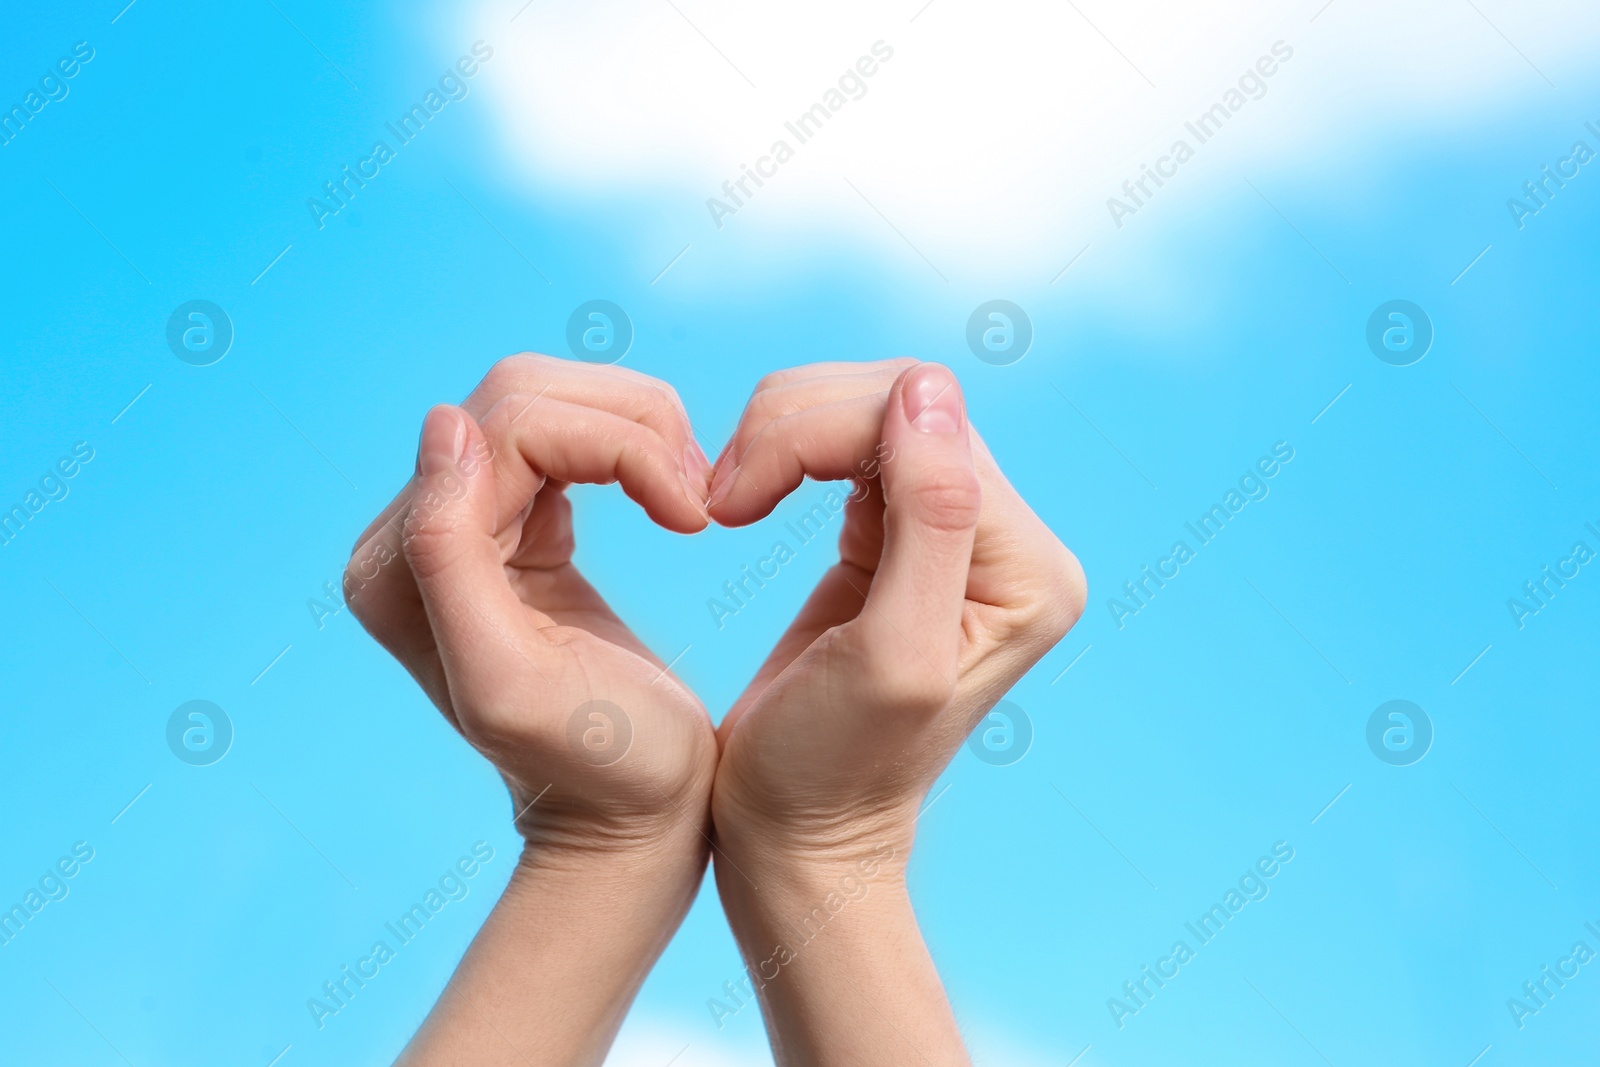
x=428, y=535
x=507, y=409
x=1063, y=593
x=366, y=566
x=764, y=406
x=781, y=402
x=772, y=449
x=511, y=374
x=946, y=498
x=748, y=441
x=670, y=395
x=353, y=583
x=640, y=439
x=908, y=684
x=665, y=407
x=1069, y=591
x=501, y=430
x=492, y=726
x=428, y=552
x=771, y=380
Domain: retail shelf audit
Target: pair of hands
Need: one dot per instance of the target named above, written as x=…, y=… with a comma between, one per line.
x=947, y=590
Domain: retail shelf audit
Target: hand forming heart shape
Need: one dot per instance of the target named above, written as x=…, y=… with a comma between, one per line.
x=947, y=590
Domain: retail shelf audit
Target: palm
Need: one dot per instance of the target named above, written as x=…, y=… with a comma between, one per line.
x=942, y=598
x=667, y=729
x=607, y=660
x=836, y=599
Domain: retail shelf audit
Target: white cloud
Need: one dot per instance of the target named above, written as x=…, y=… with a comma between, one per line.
x=993, y=137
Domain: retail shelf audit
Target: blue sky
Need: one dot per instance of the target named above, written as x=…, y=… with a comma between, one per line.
x=1169, y=753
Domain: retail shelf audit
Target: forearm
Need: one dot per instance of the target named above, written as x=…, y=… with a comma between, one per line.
x=835, y=955
x=550, y=976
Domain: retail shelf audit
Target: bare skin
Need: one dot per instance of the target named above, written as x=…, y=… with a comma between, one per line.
x=948, y=589
x=467, y=578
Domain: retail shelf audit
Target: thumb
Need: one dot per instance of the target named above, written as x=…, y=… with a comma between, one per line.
x=912, y=618
x=478, y=622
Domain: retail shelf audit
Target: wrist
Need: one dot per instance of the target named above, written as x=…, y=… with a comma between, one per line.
x=562, y=955
x=809, y=838
x=778, y=901
x=653, y=860
x=639, y=894
x=752, y=859
x=585, y=823
x=659, y=855
x=815, y=932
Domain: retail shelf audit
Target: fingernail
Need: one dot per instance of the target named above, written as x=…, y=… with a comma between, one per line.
x=695, y=464
x=695, y=492
x=722, y=485
x=932, y=399
x=444, y=440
